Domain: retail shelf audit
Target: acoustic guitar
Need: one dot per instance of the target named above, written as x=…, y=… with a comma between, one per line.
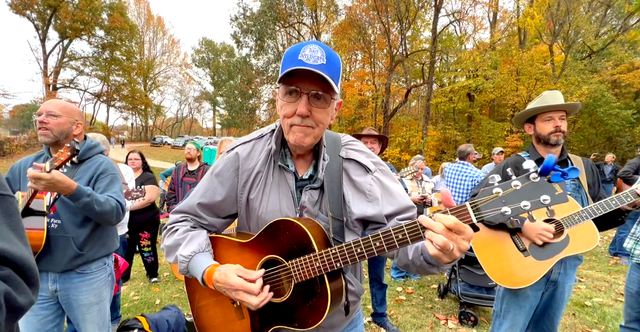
x=303, y=269
x=32, y=204
x=513, y=261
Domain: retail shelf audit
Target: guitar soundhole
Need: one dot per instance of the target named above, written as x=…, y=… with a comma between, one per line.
x=559, y=228
x=277, y=275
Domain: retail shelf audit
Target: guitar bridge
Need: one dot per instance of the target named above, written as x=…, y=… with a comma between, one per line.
x=520, y=245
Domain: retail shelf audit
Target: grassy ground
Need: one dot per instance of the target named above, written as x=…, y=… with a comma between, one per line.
x=596, y=304
x=164, y=153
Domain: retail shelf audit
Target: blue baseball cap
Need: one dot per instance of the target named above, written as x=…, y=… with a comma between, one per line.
x=314, y=56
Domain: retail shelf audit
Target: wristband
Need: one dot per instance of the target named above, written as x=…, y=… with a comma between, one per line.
x=208, y=275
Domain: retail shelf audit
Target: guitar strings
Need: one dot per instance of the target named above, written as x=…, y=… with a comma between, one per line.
x=276, y=272
x=271, y=273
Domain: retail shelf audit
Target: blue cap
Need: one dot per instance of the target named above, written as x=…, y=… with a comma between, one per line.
x=314, y=56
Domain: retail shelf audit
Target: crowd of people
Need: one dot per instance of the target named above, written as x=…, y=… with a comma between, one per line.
x=282, y=170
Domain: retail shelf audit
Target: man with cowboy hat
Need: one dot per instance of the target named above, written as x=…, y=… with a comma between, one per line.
x=377, y=144
x=539, y=307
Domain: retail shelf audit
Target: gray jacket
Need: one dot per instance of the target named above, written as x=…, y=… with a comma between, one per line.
x=250, y=183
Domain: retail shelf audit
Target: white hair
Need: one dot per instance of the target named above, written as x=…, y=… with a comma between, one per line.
x=102, y=140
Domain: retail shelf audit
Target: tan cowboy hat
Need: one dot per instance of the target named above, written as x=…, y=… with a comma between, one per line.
x=371, y=132
x=551, y=100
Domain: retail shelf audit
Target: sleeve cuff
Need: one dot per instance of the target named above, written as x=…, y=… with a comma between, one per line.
x=198, y=264
x=424, y=252
x=78, y=194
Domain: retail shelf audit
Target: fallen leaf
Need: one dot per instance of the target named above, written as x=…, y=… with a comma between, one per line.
x=156, y=289
x=157, y=301
x=434, y=286
x=399, y=300
x=588, y=304
x=124, y=288
x=581, y=287
x=399, y=289
x=431, y=326
x=422, y=298
x=619, y=292
x=175, y=295
x=440, y=316
x=582, y=279
x=392, y=312
x=402, y=298
x=597, y=300
x=602, y=289
x=619, y=299
x=166, y=274
x=132, y=294
x=428, y=306
x=136, y=298
x=410, y=290
x=451, y=324
x=484, y=320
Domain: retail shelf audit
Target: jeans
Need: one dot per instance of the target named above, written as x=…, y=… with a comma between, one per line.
x=616, y=248
x=608, y=187
x=539, y=307
x=378, y=288
x=631, y=311
x=82, y=294
x=399, y=274
x=356, y=324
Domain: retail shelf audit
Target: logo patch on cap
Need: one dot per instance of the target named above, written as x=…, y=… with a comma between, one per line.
x=313, y=55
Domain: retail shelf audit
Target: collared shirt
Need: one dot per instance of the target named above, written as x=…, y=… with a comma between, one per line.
x=301, y=181
x=460, y=178
x=486, y=169
x=632, y=243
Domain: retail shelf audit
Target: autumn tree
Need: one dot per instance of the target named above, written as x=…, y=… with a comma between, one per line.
x=59, y=24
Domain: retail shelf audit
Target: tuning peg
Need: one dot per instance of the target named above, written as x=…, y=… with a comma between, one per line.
x=494, y=179
x=510, y=172
x=550, y=212
x=531, y=217
x=530, y=165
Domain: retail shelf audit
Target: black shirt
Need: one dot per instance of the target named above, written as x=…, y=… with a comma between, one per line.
x=605, y=222
x=149, y=212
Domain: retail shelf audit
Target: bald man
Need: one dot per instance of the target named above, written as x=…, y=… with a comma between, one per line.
x=76, y=263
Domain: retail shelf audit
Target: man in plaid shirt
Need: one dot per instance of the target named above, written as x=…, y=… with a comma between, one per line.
x=631, y=312
x=461, y=177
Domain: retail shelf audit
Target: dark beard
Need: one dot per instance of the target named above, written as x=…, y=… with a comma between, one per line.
x=548, y=140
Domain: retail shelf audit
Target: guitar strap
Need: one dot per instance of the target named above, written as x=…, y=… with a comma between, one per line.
x=333, y=186
x=577, y=162
x=333, y=191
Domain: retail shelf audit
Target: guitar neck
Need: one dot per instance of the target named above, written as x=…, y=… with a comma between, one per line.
x=31, y=195
x=600, y=208
x=349, y=253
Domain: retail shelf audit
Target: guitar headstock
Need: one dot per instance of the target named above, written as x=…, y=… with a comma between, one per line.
x=408, y=171
x=134, y=194
x=502, y=201
x=63, y=157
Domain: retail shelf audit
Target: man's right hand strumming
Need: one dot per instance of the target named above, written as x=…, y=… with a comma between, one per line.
x=238, y=283
x=538, y=232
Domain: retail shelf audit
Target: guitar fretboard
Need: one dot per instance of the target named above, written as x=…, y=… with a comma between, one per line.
x=602, y=207
x=349, y=253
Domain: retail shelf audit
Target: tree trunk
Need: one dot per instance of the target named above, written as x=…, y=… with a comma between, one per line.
x=433, y=49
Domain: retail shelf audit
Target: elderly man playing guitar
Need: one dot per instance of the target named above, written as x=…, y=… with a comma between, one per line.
x=279, y=172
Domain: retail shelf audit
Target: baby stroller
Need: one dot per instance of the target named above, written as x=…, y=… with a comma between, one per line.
x=471, y=284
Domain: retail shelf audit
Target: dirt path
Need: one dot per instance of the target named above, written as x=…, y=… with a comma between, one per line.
x=119, y=154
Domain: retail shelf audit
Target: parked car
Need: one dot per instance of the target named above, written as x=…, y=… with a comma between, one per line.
x=161, y=140
x=180, y=142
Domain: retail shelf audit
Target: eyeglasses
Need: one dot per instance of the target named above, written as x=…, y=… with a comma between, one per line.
x=51, y=117
x=291, y=94
x=190, y=149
